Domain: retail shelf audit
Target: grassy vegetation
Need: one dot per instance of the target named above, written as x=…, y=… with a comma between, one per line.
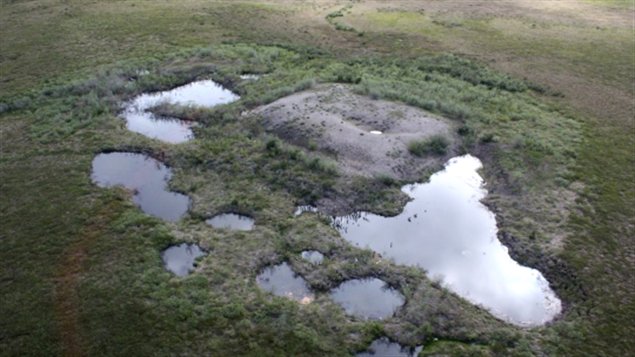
x=436, y=145
x=332, y=19
x=84, y=275
x=233, y=165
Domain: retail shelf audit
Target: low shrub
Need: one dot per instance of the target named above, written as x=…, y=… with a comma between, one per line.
x=435, y=145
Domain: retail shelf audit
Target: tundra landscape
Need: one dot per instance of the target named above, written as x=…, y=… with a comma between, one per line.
x=317, y=178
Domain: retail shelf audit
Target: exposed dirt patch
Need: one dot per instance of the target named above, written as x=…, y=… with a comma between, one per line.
x=66, y=299
x=345, y=126
x=67, y=281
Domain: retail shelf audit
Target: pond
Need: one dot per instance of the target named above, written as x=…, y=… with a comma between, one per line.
x=231, y=221
x=369, y=298
x=146, y=177
x=205, y=93
x=312, y=256
x=447, y=231
x=280, y=280
x=179, y=259
x=383, y=347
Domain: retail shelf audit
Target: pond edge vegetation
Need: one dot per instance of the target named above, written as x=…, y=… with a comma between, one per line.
x=499, y=117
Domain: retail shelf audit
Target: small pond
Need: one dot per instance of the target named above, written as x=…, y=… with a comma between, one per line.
x=179, y=259
x=231, y=221
x=367, y=298
x=383, y=347
x=280, y=280
x=312, y=256
x=447, y=231
x=146, y=177
x=205, y=93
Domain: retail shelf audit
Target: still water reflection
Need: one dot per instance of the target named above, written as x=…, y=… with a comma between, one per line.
x=446, y=230
x=383, y=347
x=280, y=280
x=204, y=93
x=146, y=177
x=367, y=298
x=179, y=259
x=231, y=221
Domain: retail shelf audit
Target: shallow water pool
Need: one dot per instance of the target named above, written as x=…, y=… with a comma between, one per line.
x=146, y=177
x=447, y=231
x=179, y=259
x=205, y=93
x=383, y=347
x=312, y=256
x=368, y=298
x=280, y=280
x=231, y=221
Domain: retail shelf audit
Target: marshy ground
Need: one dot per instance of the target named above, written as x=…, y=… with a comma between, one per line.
x=540, y=91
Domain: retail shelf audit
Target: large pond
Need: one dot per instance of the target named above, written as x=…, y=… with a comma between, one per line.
x=447, y=231
x=146, y=177
x=383, y=347
x=205, y=93
x=367, y=298
x=280, y=280
x=179, y=259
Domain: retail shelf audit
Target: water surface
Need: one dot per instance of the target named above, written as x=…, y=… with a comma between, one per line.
x=367, y=298
x=313, y=256
x=179, y=259
x=383, y=347
x=280, y=280
x=146, y=177
x=205, y=93
x=231, y=221
x=449, y=233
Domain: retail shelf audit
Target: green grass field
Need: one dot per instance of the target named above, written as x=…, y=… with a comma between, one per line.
x=541, y=91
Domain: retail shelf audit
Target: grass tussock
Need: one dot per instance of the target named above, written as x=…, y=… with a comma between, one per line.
x=436, y=145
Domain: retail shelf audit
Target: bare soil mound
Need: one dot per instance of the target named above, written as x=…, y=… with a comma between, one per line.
x=344, y=126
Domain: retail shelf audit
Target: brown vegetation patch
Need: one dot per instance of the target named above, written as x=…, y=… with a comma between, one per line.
x=67, y=281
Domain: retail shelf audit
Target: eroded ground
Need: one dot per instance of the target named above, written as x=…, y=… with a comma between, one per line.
x=340, y=124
